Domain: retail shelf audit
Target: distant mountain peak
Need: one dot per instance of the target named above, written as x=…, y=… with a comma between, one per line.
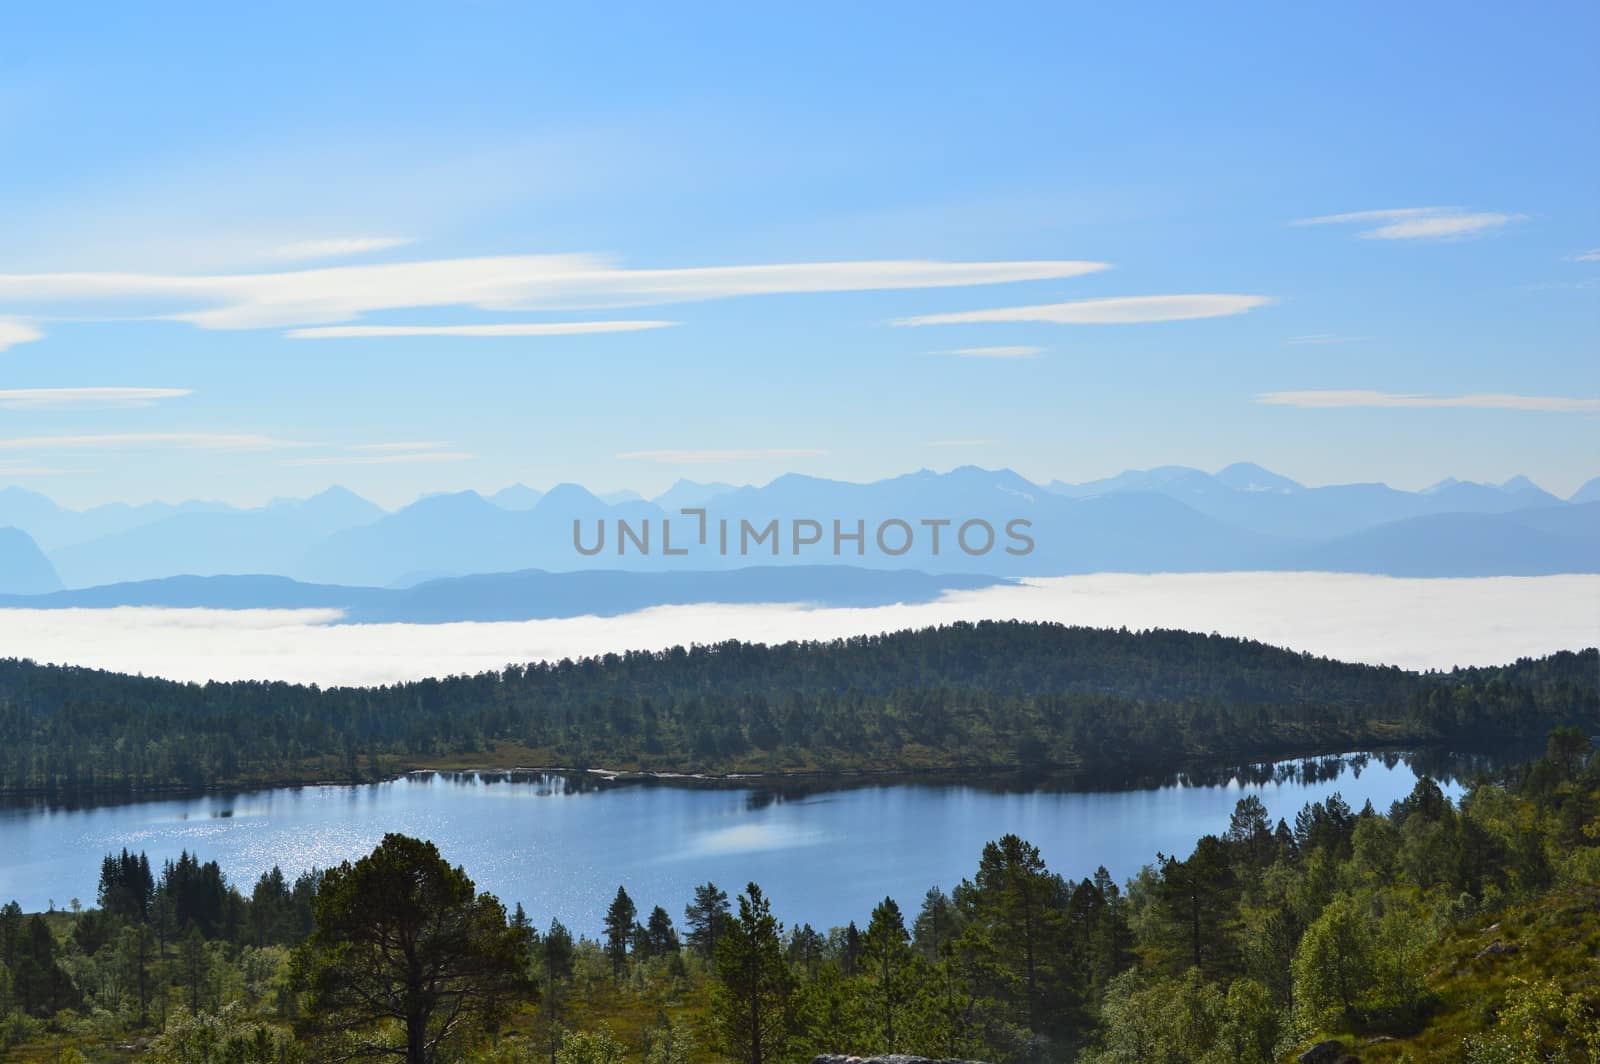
x=689, y=493
x=1520, y=483
x=23, y=566
x=1247, y=476
x=1589, y=492
x=569, y=494
x=517, y=496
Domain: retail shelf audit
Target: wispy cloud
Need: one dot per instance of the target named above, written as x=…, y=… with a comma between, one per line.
x=1324, y=338
x=331, y=295
x=128, y=441
x=335, y=247
x=408, y=445
x=1012, y=351
x=404, y=458
x=1417, y=223
x=552, y=328
x=25, y=469
x=1327, y=400
x=691, y=457
x=1592, y=255
x=13, y=333
x=37, y=398
x=1125, y=310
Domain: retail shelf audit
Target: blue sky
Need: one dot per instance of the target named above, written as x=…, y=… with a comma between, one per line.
x=775, y=185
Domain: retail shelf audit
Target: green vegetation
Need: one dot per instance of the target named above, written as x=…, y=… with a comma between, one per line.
x=1430, y=932
x=985, y=697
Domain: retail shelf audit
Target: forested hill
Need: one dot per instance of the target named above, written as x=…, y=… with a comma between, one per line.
x=994, y=695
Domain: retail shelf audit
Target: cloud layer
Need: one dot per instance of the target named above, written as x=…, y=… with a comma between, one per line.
x=399, y=458
x=549, y=328
x=1382, y=620
x=1326, y=400
x=1124, y=310
x=13, y=333
x=1417, y=223
x=504, y=284
x=49, y=398
x=131, y=441
x=697, y=457
x=336, y=247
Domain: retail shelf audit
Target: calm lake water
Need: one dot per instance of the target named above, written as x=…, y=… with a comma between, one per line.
x=562, y=846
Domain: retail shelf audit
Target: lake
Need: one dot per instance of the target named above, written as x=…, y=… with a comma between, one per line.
x=561, y=845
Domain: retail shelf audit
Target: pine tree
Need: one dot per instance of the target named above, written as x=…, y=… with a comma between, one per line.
x=752, y=1005
x=888, y=967
x=619, y=930
x=706, y=916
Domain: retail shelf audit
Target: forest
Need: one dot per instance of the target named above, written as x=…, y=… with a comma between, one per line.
x=990, y=697
x=1431, y=931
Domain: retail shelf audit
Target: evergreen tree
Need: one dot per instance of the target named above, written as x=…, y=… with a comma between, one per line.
x=620, y=919
x=661, y=936
x=706, y=916
x=752, y=1005
x=888, y=968
x=405, y=942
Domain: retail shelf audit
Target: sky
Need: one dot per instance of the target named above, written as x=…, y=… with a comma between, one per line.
x=253, y=252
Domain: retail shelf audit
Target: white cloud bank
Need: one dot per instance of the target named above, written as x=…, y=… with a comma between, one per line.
x=50, y=398
x=504, y=284
x=1382, y=620
x=1417, y=223
x=1124, y=310
x=1329, y=400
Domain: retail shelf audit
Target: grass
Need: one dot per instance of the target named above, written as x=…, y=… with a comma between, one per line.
x=1556, y=937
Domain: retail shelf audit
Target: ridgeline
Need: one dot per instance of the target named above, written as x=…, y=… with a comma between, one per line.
x=987, y=697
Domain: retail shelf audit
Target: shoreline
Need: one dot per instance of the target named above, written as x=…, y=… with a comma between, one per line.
x=1051, y=778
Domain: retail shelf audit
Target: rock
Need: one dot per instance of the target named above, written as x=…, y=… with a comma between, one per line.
x=1330, y=1052
x=891, y=1058
x=1498, y=949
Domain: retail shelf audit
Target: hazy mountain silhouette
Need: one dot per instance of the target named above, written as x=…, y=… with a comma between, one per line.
x=519, y=596
x=1256, y=499
x=1523, y=543
x=24, y=569
x=1170, y=518
x=272, y=538
x=1589, y=492
x=516, y=497
x=53, y=526
x=689, y=493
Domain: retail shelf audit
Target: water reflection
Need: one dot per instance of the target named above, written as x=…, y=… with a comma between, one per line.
x=825, y=850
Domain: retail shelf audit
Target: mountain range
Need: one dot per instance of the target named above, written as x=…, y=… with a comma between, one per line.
x=1171, y=518
x=523, y=596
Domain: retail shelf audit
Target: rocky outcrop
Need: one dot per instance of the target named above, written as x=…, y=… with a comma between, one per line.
x=890, y=1058
x=1329, y=1052
x=1497, y=948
